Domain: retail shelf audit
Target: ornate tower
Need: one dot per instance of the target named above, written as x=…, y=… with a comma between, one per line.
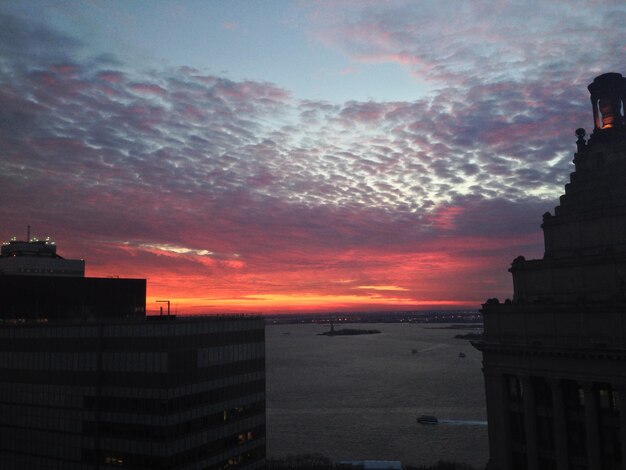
x=555, y=357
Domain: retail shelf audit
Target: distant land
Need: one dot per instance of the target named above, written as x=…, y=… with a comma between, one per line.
x=418, y=316
x=476, y=332
x=348, y=332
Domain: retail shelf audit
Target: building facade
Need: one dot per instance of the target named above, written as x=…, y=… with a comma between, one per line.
x=162, y=393
x=88, y=381
x=38, y=284
x=56, y=298
x=555, y=356
x=34, y=257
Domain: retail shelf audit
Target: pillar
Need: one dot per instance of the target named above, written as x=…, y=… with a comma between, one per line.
x=560, y=425
x=498, y=419
x=530, y=423
x=621, y=390
x=591, y=426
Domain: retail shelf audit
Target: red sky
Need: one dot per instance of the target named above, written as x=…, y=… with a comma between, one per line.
x=233, y=194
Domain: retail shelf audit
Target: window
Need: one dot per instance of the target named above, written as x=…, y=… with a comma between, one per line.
x=515, y=389
x=114, y=460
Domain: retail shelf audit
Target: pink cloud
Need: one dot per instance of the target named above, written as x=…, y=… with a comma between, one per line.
x=148, y=88
x=111, y=76
x=64, y=69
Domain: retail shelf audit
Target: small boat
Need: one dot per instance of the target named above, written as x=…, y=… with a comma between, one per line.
x=426, y=419
x=461, y=354
x=414, y=351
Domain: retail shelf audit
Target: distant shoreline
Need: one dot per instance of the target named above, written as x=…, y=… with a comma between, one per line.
x=475, y=326
x=469, y=317
x=348, y=332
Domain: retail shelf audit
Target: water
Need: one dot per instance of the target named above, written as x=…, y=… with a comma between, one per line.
x=358, y=397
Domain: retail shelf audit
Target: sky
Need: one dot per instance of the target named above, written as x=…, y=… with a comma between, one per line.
x=287, y=156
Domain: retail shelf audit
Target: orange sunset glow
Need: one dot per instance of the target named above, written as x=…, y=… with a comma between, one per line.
x=454, y=275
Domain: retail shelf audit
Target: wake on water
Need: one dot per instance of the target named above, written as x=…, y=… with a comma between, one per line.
x=463, y=422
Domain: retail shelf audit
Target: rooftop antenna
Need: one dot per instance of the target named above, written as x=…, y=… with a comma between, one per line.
x=28, y=233
x=168, y=307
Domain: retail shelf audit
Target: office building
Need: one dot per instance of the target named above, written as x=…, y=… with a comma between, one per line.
x=113, y=391
x=555, y=356
x=37, y=283
x=34, y=257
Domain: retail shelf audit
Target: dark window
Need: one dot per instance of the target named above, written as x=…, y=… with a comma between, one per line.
x=576, y=438
x=545, y=432
x=519, y=461
x=542, y=392
x=573, y=395
x=518, y=430
x=515, y=389
x=547, y=464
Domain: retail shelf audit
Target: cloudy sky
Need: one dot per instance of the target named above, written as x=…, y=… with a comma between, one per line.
x=280, y=155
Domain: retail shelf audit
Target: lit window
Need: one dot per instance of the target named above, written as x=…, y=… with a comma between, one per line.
x=112, y=460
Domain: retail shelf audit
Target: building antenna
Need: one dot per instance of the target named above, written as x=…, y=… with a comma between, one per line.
x=168, y=307
x=28, y=233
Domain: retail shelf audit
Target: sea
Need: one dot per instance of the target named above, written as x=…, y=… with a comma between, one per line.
x=358, y=397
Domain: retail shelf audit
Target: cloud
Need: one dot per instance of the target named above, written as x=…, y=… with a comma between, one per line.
x=224, y=192
x=458, y=43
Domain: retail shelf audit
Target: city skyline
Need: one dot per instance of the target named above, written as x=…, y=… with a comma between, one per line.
x=296, y=156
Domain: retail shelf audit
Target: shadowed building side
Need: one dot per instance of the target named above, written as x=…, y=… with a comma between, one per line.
x=555, y=356
x=162, y=394
x=78, y=298
x=87, y=381
x=37, y=283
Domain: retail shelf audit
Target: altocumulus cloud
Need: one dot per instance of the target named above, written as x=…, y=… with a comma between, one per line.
x=227, y=189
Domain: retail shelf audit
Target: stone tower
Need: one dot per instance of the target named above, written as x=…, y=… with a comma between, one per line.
x=555, y=356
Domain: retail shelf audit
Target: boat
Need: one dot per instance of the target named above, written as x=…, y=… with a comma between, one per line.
x=414, y=351
x=427, y=419
x=461, y=354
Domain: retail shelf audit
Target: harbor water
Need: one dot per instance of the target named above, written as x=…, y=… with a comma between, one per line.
x=358, y=397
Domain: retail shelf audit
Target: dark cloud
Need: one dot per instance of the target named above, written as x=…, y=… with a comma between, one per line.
x=24, y=43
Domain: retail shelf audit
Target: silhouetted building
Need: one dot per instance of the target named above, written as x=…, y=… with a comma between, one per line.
x=37, y=283
x=62, y=298
x=100, y=391
x=555, y=357
x=37, y=258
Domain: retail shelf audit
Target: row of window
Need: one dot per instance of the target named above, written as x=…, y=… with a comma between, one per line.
x=174, y=405
x=231, y=353
x=604, y=399
x=607, y=397
x=209, y=327
x=50, y=332
x=45, y=395
x=206, y=451
x=41, y=443
x=48, y=360
x=126, y=361
x=204, y=332
x=173, y=431
x=135, y=361
x=229, y=370
x=54, y=419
